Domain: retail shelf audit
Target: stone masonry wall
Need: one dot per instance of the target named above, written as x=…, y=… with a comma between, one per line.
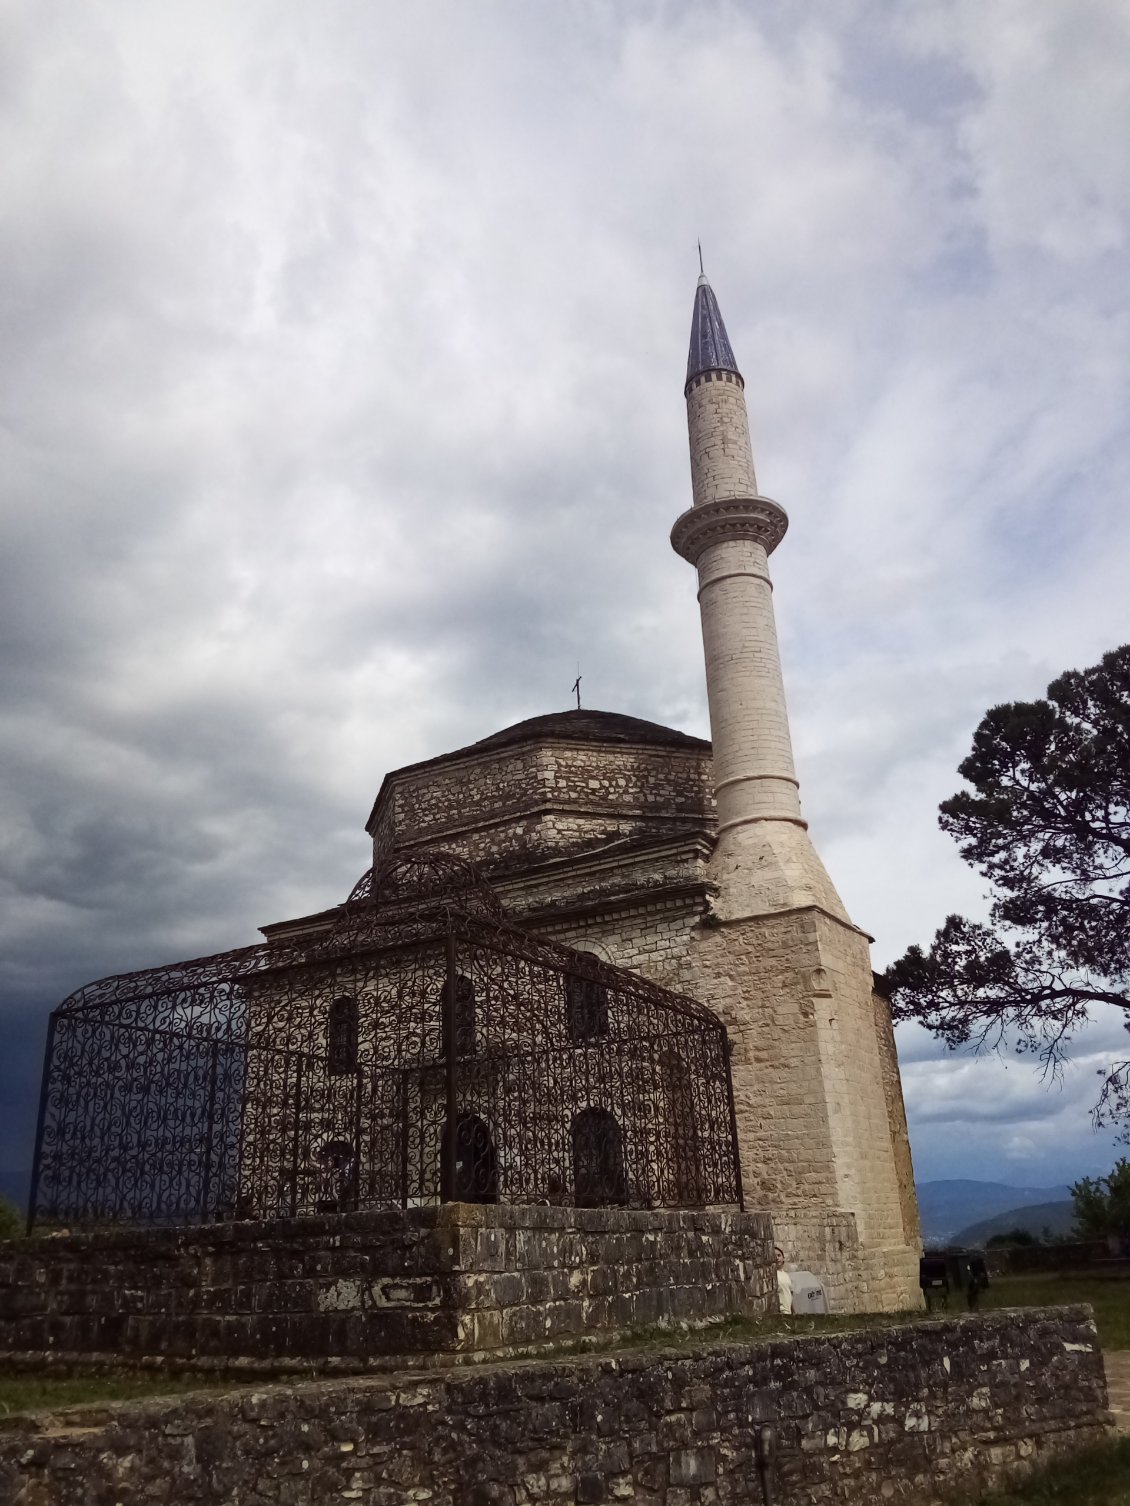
x=905, y=1414
x=896, y=1117
x=821, y=1124
x=794, y=990
x=457, y=1279
x=718, y=427
x=651, y=937
x=754, y=775
x=758, y=977
x=513, y=805
x=821, y=1121
x=853, y=1075
x=855, y=1278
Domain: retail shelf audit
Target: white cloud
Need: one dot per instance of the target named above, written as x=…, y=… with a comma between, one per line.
x=341, y=414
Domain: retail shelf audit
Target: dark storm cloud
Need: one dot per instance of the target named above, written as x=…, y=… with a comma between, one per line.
x=340, y=417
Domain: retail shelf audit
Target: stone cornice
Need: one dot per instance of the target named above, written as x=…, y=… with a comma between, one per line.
x=618, y=857
x=437, y=833
x=759, y=519
x=669, y=894
x=814, y=909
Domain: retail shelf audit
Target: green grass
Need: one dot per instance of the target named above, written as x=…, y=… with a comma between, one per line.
x=1098, y=1476
x=40, y=1393
x=1109, y=1298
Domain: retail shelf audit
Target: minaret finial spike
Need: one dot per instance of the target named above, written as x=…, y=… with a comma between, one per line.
x=701, y=268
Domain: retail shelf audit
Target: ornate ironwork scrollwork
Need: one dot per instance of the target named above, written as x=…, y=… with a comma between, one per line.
x=416, y=1048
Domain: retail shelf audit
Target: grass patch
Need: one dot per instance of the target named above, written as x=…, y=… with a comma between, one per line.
x=1109, y=1298
x=1098, y=1476
x=44, y=1393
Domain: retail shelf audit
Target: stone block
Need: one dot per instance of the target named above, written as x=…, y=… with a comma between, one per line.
x=691, y=1466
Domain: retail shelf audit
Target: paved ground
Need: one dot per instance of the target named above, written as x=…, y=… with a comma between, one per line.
x=1117, y=1363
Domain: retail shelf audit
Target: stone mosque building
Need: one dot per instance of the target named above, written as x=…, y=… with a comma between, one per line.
x=590, y=1036
x=596, y=965
x=689, y=862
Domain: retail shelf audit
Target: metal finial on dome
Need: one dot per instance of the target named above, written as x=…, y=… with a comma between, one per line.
x=710, y=345
x=701, y=268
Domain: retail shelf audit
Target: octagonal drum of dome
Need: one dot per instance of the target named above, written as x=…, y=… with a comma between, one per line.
x=550, y=787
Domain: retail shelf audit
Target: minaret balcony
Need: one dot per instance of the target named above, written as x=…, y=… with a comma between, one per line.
x=759, y=520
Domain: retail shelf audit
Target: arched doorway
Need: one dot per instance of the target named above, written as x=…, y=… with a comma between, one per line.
x=476, y=1161
x=599, y=1179
x=336, y=1176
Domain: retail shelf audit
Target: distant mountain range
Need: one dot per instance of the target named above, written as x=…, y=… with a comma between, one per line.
x=954, y=1211
x=1037, y=1218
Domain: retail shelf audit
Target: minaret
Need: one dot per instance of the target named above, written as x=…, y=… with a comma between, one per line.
x=764, y=859
x=820, y=1119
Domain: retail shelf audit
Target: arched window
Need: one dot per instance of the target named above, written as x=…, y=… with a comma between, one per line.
x=341, y=1037
x=476, y=1161
x=586, y=1008
x=464, y=1015
x=599, y=1179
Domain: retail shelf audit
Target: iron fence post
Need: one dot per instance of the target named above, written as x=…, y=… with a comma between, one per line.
x=447, y=1149
x=296, y=1143
x=209, y=1128
x=404, y=1137
x=726, y=1051
x=41, y=1121
x=354, y=1190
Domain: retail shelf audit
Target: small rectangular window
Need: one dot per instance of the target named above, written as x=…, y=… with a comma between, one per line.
x=464, y=1015
x=341, y=1037
x=586, y=1006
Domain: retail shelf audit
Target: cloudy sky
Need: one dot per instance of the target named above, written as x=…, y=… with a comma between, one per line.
x=341, y=417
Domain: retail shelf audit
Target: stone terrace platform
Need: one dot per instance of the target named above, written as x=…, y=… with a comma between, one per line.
x=365, y=1290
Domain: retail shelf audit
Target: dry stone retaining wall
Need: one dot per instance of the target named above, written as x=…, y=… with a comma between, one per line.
x=910, y=1414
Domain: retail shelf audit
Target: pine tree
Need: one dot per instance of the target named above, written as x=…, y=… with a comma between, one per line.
x=1047, y=823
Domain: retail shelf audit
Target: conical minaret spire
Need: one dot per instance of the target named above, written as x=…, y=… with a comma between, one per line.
x=728, y=536
x=710, y=345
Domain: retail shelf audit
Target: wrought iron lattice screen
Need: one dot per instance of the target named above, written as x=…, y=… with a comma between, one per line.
x=398, y=1060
